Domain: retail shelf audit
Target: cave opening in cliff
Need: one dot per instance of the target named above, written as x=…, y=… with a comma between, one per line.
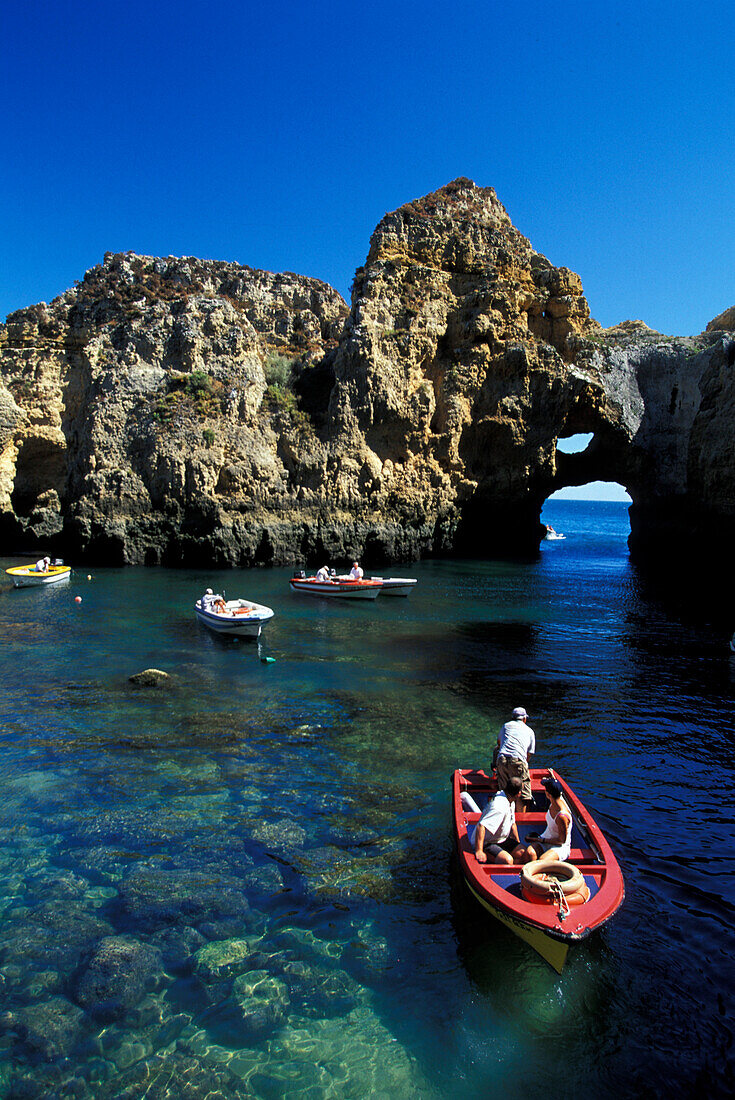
x=39, y=468
x=585, y=476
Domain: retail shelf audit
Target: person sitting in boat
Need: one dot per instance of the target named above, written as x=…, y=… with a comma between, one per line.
x=556, y=840
x=516, y=742
x=497, y=827
x=356, y=573
x=42, y=565
x=323, y=573
x=215, y=604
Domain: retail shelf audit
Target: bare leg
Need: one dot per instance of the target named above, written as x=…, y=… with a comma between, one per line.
x=548, y=857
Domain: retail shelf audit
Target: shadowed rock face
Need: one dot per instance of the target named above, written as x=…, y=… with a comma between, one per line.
x=191, y=412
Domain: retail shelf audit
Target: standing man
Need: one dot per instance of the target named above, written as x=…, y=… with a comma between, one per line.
x=497, y=828
x=516, y=743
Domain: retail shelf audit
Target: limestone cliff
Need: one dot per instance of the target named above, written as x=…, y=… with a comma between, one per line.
x=183, y=411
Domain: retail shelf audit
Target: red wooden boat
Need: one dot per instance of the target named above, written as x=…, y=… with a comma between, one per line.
x=342, y=587
x=549, y=913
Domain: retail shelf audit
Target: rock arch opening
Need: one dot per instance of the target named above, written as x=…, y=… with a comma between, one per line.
x=593, y=463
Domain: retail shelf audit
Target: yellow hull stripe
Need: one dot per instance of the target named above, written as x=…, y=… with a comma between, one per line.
x=552, y=950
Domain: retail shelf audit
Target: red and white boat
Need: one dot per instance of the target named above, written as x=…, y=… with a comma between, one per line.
x=341, y=587
x=552, y=905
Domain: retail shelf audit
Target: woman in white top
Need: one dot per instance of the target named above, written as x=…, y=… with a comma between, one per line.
x=556, y=840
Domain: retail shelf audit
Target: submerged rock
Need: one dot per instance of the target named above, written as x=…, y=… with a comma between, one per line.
x=151, y=898
x=262, y=1002
x=222, y=959
x=50, y=1029
x=116, y=976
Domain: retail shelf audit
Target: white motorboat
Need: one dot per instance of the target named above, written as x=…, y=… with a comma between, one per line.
x=345, y=588
x=241, y=618
x=27, y=576
x=396, y=586
x=553, y=536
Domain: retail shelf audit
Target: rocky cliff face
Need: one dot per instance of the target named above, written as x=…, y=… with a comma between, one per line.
x=183, y=411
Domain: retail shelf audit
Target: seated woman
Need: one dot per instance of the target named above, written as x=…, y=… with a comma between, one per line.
x=556, y=840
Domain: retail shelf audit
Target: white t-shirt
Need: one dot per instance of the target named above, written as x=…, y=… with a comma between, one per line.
x=498, y=819
x=356, y=573
x=517, y=740
x=323, y=574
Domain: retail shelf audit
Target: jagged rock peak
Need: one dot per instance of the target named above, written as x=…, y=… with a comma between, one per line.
x=723, y=322
x=454, y=260
x=460, y=226
x=461, y=197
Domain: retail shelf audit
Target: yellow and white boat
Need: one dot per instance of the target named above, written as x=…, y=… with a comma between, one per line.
x=28, y=576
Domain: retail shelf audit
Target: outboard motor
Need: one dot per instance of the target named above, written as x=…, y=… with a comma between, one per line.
x=332, y=572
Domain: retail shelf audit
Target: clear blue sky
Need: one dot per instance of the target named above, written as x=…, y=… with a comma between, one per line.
x=278, y=134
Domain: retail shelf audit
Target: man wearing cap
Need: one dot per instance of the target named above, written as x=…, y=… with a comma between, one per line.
x=516, y=742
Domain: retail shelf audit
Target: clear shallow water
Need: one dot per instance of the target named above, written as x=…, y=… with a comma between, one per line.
x=241, y=884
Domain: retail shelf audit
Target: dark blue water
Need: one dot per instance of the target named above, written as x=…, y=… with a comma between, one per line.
x=240, y=883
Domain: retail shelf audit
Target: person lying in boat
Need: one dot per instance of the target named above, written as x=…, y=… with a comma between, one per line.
x=497, y=827
x=556, y=840
x=323, y=573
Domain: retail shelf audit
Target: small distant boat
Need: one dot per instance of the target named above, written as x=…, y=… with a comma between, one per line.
x=395, y=586
x=342, y=587
x=553, y=536
x=27, y=576
x=241, y=618
x=551, y=905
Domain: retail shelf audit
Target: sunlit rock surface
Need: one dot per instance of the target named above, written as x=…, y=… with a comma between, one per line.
x=183, y=411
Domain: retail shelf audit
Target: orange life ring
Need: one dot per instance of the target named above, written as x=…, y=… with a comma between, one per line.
x=577, y=898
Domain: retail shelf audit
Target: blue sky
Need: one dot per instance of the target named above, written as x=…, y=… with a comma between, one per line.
x=277, y=135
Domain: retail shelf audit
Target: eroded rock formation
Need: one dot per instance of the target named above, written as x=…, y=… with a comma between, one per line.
x=183, y=411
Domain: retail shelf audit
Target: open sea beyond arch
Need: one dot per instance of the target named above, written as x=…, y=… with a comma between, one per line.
x=241, y=883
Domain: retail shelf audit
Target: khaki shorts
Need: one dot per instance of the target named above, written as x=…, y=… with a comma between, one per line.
x=508, y=767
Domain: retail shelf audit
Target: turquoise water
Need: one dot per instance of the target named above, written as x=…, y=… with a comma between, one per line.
x=240, y=883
